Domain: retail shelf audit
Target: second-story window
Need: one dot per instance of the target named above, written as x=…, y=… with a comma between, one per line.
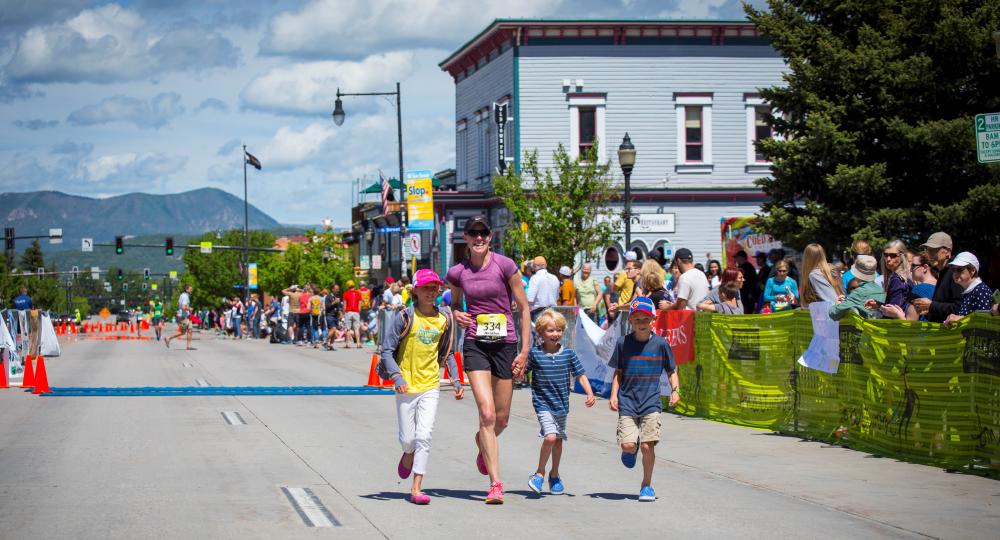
x=694, y=134
x=761, y=130
x=588, y=129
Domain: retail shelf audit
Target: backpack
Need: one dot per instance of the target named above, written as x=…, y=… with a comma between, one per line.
x=315, y=305
x=444, y=345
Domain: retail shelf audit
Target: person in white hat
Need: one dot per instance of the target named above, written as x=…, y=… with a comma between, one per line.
x=869, y=292
x=567, y=291
x=976, y=295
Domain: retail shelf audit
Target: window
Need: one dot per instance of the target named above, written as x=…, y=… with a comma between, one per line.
x=611, y=259
x=461, y=152
x=761, y=130
x=694, y=132
x=588, y=128
x=757, y=130
x=586, y=124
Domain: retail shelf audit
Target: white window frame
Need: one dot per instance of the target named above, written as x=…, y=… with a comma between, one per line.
x=681, y=102
x=753, y=166
x=599, y=103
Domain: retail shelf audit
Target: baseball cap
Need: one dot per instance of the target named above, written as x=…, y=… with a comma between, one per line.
x=350, y=283
x=472, y=221
x=565, y=271
x=938, y=240
x=965, y=259
x=390, y=280
x=631, y=256
x=426, y=276
x=642, y=304
x=684, y=253
x=864, y=268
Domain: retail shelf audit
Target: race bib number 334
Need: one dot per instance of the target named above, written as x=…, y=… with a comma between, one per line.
x=491, y=327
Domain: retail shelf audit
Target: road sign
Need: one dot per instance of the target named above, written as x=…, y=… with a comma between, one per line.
x=206, y=247
x=988, y=137
x=153, y=286
x=366, y=262
x=87, y=244
x=95, y=272
x=173, y=274
x=376, y=262
x=415, y=244
x=55, y=236
x=387, y=229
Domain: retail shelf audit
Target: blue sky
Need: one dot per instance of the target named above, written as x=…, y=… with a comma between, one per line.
x=104, y=98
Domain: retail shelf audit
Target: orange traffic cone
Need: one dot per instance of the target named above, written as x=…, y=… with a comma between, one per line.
x=72, y=328
x=41, y=379
x=29, y=374
x=460, y=367
x=373, y=378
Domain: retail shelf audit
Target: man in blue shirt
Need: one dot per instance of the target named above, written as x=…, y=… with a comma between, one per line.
x=23, y=301
x=638, y=360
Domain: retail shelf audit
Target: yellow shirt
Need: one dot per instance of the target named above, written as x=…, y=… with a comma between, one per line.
x=626, y=287
x=419, y=358
x=567, y=293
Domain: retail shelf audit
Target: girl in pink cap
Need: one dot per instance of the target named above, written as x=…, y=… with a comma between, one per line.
x=417, y=343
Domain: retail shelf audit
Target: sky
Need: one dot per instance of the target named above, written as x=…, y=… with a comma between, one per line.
x=158, y=96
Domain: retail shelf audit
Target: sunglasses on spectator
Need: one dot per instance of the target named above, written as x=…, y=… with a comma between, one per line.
x=478, y=233
x=890, y=254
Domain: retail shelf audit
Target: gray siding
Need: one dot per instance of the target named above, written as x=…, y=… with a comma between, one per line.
x=480, y=89
x=640, y=82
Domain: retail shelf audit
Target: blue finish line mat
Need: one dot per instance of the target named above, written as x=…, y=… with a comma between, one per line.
x=219, y=391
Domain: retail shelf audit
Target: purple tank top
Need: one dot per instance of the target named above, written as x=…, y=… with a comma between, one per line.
x=486, y=289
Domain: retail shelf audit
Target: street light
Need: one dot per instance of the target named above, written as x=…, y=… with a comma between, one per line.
x=626, y=158
x=338, y=118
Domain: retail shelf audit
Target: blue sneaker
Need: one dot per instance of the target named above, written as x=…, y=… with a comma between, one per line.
x=556, y=486
x=628, y=459
x=535, y=482
x=646, y=494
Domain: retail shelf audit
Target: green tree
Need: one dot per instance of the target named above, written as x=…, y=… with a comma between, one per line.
x=32, y=257
x=565, y=210
x=877, y=121
x=216, y=275
x=323, y=261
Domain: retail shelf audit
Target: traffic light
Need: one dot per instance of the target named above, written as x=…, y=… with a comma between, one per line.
x=170, y=246
x=76, y=271
x=119, y=245
x=124, y=286
x=121, y=275
x=144, y=287
x=145, y=274
x=8, y=238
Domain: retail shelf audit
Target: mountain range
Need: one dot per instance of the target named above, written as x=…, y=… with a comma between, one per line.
x=134, y=214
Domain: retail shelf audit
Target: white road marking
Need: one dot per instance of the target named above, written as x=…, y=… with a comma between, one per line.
x=308, y=506
x=201, y=382
x=234, y=418
x=187, y=364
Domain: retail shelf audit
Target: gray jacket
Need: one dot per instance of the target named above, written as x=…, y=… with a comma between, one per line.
x=397, y=328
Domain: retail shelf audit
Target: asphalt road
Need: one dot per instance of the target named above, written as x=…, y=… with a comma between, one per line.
x=175, y=467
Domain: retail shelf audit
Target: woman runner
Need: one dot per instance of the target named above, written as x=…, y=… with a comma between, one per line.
x=488, y=282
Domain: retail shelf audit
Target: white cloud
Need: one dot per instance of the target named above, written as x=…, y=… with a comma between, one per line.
x=332, y=28
x=132, y=166
x=289, y=148
x=212, y=103
x=110, y=44
x=155, y=113
x=35, y=124
x=698, y=9
x=311, y=87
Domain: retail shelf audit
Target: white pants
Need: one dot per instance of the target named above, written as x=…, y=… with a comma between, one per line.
x=416, y=414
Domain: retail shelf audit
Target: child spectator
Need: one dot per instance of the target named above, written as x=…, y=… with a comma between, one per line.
x=637, y=360
x=553, y=369
x=415, y=346
x=864, y=299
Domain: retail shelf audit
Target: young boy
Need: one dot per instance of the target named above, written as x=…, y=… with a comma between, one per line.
x=553, y=369
x=637, y=360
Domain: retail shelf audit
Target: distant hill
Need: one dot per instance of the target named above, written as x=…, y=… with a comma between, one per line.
x=134, y=214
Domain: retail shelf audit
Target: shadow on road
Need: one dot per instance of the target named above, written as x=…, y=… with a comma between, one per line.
x=611, y=496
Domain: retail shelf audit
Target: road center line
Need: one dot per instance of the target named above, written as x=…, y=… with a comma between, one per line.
x=308, y=506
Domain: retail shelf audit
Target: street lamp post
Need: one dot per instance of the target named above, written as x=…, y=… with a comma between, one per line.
x=626, y=158
x=338, y=118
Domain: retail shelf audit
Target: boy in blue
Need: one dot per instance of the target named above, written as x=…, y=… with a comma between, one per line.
x=637, y=360
x=553, y=369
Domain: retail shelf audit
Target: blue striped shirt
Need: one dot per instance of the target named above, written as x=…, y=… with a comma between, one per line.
x=641, y=364
x=551, y=376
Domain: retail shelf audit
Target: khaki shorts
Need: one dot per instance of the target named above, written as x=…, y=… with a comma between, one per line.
x=184, y=324
x=644, y=428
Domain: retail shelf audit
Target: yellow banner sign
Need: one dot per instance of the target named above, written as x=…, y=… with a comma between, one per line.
x=420, y=200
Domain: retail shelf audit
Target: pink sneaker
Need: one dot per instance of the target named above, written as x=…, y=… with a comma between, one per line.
x=480, y=462
x=495, y=494
x=420, y=499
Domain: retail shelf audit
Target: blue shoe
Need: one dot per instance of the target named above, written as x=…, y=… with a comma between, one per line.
x=628, y=459
x=535, y=482
x=646, y=494
x=556, y=486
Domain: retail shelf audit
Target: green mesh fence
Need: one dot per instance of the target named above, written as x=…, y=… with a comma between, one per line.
x=907, y=390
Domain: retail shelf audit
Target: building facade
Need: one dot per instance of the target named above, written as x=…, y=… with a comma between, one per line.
x=685, y=92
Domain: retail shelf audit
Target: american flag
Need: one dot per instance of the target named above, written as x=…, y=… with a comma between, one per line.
x=386, y=193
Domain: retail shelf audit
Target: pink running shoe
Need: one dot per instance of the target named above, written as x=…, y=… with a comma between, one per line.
x=495, y=494
x=420, y=499
x=480, y=462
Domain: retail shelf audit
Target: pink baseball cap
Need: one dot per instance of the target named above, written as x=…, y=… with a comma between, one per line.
x=426, y=276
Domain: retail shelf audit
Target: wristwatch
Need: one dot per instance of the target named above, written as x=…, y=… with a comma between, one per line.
x=676, y=389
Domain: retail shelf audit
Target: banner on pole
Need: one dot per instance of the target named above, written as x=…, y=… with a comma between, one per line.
x=420, y=200
x=252, y=275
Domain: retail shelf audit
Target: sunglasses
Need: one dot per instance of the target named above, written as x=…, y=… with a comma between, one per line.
x=478, y=233
x=890, y=255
